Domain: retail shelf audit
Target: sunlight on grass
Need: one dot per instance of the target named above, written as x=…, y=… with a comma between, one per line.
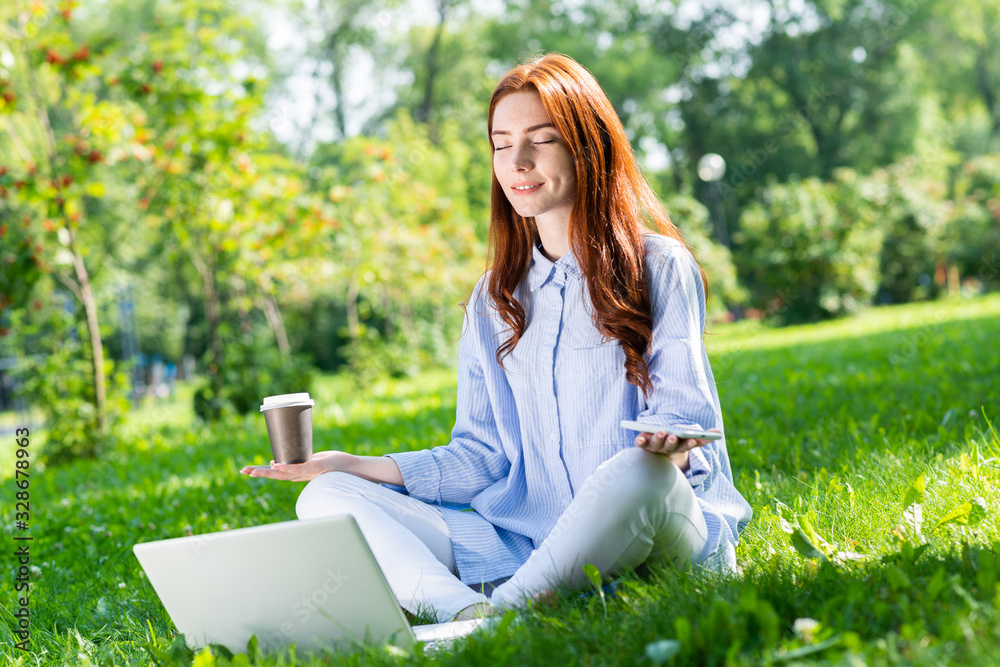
x=828, y=427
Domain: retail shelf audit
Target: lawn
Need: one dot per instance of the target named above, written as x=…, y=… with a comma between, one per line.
x=864, y=446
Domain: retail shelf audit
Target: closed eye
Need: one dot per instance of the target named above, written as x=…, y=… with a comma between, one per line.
x=500, y=148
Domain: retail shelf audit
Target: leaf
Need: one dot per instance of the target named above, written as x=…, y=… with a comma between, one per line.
x=204, y=658
x=593, y=574
x=916, y=492
x=960, y=514
x=662, y=650
x=95, y=189
x=898, y=580
x=805, y=523
x=978, y=510
x=967, y=513
x=845, y=556
x=804, y=651
x=506, y=621
x=805, y=546
x=786, y=517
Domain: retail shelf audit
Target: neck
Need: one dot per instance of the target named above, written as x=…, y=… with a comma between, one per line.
x=554, y=236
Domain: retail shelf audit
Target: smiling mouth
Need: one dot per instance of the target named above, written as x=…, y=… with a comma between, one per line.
x=525, y=188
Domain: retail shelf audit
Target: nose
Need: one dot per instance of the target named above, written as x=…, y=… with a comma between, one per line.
x=521, y=160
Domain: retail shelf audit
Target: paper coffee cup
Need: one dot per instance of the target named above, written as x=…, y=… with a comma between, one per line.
x=289, y=426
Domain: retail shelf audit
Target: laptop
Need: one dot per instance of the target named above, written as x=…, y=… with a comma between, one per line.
x=314, y=583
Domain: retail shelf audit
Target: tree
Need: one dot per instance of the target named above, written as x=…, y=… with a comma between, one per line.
x=810, y=250
x=60, y=130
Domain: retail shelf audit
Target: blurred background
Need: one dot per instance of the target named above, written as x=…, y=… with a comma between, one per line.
x=235, y=196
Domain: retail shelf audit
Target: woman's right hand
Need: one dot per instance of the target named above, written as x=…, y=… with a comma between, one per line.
x=320, y=463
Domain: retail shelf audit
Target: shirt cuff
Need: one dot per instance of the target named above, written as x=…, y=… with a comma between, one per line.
x=698, y=467
x=421, y=475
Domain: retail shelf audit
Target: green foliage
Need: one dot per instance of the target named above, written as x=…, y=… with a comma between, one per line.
x=254, y=368
x=817, y=416
x=973, y=232
x=21, y=264
x=811, y=250
x=56, y=374
x=912, y=209
x=691, y=217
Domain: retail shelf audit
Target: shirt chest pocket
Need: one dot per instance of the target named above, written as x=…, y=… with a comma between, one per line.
x=590, y=356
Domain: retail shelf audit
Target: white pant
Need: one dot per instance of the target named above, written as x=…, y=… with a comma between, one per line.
x=635, y=506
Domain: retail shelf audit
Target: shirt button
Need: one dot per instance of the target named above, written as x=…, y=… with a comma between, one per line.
x=553, y=436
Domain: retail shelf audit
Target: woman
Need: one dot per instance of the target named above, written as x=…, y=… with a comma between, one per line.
x=584, y=319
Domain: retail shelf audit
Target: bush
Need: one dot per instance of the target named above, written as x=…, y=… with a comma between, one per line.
x=810, y=250
x=253, y=368
x=691, y=217
x=973, y=232
x=912, y=210
x=56, y=376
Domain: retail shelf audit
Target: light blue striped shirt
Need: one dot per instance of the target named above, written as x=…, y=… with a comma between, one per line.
x=527, y=435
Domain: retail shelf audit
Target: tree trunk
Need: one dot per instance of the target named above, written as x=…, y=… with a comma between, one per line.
x=353, y=322
x=241, y=292
x=423, y=114
x=986, y=90
x=277, y=324
x=213, y=314
x=94, y=331
x=390, y=316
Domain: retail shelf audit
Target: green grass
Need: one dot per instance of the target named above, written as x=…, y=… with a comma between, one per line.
x=832, y=421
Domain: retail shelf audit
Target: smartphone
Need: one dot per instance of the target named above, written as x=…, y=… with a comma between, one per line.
x=680, y=432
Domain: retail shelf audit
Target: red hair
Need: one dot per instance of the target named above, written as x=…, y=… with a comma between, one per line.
x=613, y=207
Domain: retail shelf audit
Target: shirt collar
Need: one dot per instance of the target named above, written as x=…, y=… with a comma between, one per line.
x=543, y=269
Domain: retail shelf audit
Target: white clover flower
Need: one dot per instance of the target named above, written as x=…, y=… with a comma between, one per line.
x=805, y=628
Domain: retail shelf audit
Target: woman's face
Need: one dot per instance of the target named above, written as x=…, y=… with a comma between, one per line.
x=531, y=161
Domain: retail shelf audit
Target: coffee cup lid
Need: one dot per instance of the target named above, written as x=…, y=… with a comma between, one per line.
x=286, y=400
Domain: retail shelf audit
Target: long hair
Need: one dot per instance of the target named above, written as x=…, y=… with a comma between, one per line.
x=613, y=207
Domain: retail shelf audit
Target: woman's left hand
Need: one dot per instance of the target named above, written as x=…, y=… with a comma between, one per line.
x=670, y=446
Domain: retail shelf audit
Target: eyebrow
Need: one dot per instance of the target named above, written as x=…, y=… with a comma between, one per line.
x=530, y=129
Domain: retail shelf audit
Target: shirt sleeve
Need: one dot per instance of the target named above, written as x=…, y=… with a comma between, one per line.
x=683, y=387
x=474, y=459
